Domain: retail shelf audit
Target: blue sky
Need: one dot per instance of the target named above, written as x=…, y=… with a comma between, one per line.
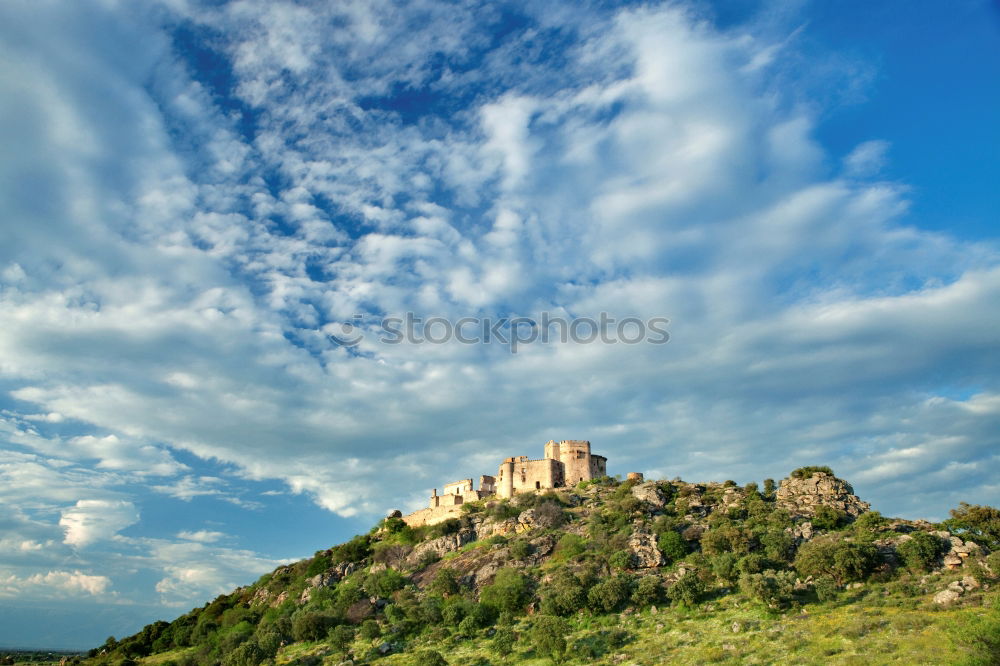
x=196, y=195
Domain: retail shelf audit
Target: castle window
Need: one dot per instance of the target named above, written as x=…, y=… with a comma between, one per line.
x=538, y=484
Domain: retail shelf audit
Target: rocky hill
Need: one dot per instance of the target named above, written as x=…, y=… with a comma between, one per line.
x=619, y=572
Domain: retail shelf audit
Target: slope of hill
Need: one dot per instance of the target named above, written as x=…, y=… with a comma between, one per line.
x=619, y=573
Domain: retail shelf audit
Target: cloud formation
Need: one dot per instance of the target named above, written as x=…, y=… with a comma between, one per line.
x=201, y=198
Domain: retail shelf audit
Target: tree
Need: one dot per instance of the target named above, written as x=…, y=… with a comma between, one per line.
x=548, y=636
x=978, y=523
x=828, y=518
x=648, y=591
x=309, y=625
x=563, y=595
x=610, y=594
x=341, y=637
x=429, y=658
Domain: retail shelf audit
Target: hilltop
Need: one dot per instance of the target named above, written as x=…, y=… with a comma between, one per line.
x=619, y=572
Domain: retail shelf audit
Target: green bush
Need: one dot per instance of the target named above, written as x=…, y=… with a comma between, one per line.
x=570, y=546
x=549, y=515
x=503, y=641
x=687, y=591
x=593, y=645
x=771, y=588
x=429, y=658
x=843, y=561
x=648, y=591
x=383, y=583
x=245, y=654
x=369, y=630
x=563, y=595
x=548, y=636
x=621, y=560
x=921, y=551
x=445, y=582
x=509, y=592
x=827, y=518
x=752, y=564
x=806, y=472
x=724, y=567
x=354, y=550
x=673, y=546
x=611, y=594
x=727, y=538
x=769, y=488
x=870, y=521
x=308, y=625
x=778, y=545
x=826, y=588
x=520, y=549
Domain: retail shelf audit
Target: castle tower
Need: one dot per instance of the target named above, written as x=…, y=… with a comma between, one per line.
x=505, y=478
x=575, y=457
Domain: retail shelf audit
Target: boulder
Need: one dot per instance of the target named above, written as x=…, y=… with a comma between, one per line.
x=440, y=546
x=643, y=546
x=800, y=497
x=650, y=493
x=948, y=596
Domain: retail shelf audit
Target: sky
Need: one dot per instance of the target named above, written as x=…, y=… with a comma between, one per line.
x=207, y=210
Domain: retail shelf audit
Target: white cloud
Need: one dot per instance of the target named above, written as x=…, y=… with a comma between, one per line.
x=201, y=536
x=867, y=159
x=53, y=585
x=92, y=520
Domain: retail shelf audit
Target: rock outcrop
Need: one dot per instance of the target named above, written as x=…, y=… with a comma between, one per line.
x=801, y=497
x=650, y=493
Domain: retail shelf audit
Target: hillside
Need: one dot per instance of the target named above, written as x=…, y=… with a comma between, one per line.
x=618, y=572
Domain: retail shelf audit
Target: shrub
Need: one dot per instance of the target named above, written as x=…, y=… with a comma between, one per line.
x=771, y=588
x=520, y=549
x=445, y=582
x=806, y=472
x=841, y=560
x=509, y=592
x=429, y=658
x=310, y=625
x=319, y=563
x=548, y=636
x=467, y=627
x=724, y=567
x=870, y=521
x=724, y=539
x=778, y=545
x=769, y=487
x=687, y=591
x=369, y=630
x=977, y=523
x=828, y=518
x=503, y=641
x=383, y=583
x=920, y=551
x=752, y=564
x=593, y=645
x=621, y=560
x=648, y=591
x=571, y=546
x=673, y=546
x=826, y=588
x=610, y=594
x=246, y=654
x=549, y=515
x=354, y=550
x=563, y=595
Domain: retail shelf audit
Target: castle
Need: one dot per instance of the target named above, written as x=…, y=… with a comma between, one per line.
x=566, y=463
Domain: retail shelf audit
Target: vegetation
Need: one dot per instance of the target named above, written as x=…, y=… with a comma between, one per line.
x=705, y=573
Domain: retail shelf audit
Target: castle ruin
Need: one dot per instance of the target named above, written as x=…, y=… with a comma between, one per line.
x=565, y=463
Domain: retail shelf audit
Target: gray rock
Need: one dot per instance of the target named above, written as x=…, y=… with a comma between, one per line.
x=945, y=597
x=650, y=493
